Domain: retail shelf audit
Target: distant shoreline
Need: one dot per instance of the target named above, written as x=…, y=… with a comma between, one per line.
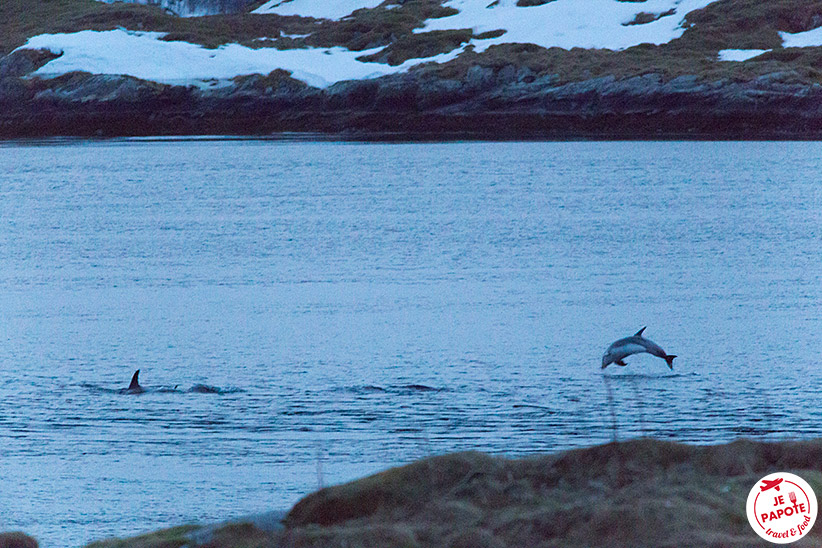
x=487, y=103
x=379, y=127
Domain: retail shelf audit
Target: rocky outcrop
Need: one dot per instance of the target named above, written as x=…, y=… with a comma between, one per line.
x=509, y=101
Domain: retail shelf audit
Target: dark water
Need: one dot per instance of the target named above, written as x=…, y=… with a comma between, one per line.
x=357, y=306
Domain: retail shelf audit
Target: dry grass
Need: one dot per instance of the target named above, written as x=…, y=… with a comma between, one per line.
x=634, y=493
x=749, y=24
x=637, y=493
x=21, y=19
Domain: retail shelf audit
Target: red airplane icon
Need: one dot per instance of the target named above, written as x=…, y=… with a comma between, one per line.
x=771, y=483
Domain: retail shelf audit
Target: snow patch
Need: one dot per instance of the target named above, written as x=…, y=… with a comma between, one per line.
x=320, y=9
x=807, y=39
x=740, y=54
x=569, y=23
x=143, y=55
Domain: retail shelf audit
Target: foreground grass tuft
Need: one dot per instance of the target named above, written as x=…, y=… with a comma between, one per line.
x=635, y=493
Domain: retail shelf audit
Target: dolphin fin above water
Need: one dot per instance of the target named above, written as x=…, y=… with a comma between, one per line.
x=134, y=382
x=639, y=333
x=134, y=387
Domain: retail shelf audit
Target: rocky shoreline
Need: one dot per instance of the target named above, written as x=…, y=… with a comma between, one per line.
x=487, y=103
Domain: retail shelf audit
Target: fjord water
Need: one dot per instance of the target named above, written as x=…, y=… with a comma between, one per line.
x=360, y=306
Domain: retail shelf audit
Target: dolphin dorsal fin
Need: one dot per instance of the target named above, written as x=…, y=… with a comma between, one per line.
x=134, y=383
x=639, y=333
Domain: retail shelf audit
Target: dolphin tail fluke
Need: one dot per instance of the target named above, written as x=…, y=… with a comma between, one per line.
x=669, y=358
x=134, y=384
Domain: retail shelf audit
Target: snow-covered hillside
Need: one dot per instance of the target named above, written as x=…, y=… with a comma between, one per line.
x=558, y=23
x=603, y=24
x=144, y=55
x=566, y=24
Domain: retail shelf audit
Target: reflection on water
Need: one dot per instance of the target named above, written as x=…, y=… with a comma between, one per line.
x=306, y=311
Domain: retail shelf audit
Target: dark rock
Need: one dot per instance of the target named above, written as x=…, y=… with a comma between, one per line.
x=24, y=61
x=354, y=94
x=17, y=540
x=478, y=77
x=102, y=88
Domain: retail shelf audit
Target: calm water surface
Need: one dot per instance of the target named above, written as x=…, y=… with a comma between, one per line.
x=359, y=306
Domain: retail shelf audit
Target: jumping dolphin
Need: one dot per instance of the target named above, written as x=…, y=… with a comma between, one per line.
x=134, y=387
x=637, y=344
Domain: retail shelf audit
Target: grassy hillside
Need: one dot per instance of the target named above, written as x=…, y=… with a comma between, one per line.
x=20, y=19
